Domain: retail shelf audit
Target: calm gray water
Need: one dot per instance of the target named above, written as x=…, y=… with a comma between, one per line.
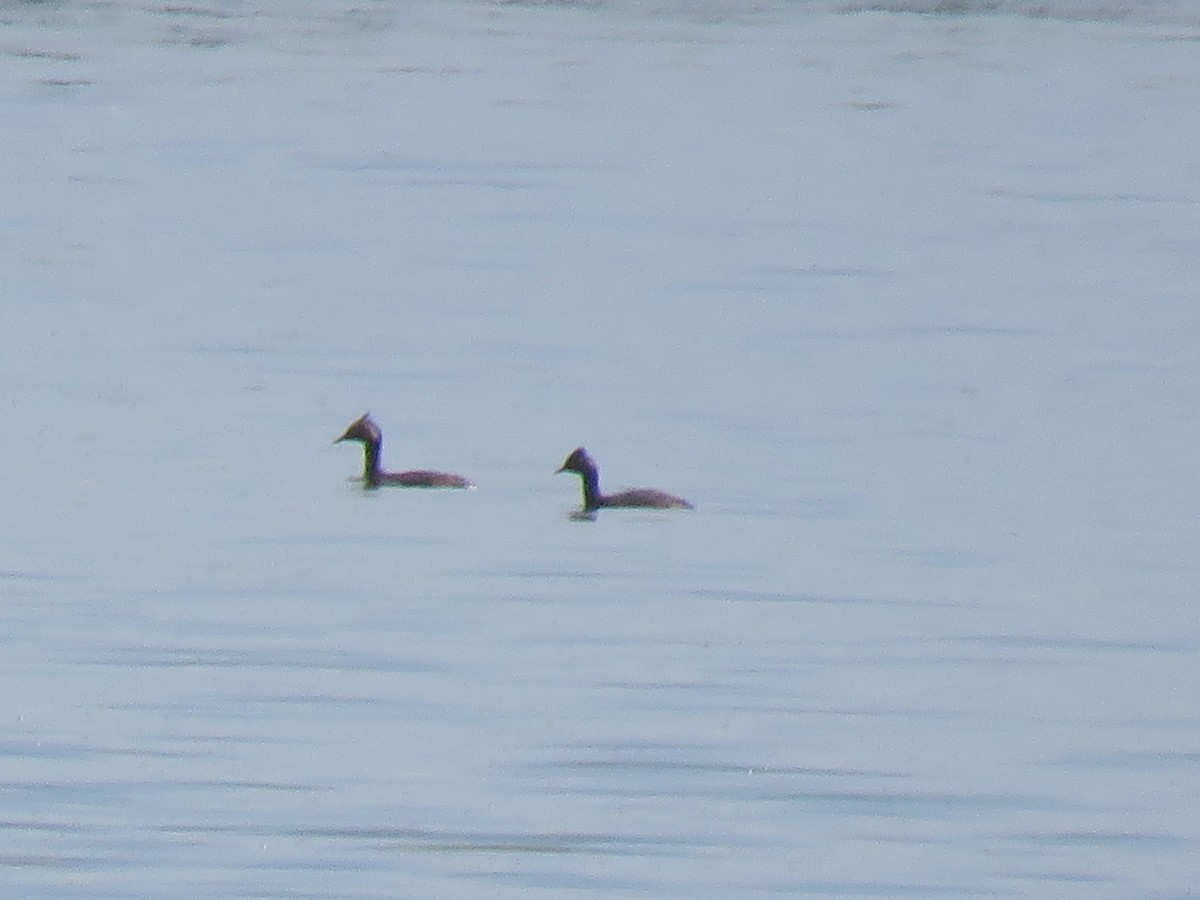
x=904, y=303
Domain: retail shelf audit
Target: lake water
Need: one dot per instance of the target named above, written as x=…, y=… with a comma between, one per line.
x=901, y=295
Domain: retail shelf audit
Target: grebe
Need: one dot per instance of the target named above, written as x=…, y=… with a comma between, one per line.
x=582, y=464
x=368, y=434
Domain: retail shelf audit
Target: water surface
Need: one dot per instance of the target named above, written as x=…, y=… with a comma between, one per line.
x=903, y=302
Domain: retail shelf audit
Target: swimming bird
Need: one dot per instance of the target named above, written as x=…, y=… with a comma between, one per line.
x=646, y=498
x=366, y=432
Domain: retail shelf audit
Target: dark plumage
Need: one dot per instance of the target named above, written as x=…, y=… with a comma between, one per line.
x=366, y=432
x=645, y=498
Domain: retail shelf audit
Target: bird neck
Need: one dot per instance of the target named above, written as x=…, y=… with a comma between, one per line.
x=371, y=453
x=592, y=498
